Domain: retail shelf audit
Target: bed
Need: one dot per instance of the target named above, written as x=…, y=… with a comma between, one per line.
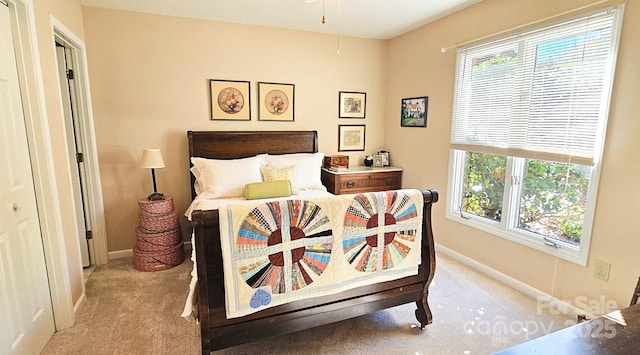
x=217, y=331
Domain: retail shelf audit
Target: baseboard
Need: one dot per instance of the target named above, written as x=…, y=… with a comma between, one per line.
x=129, y=252
x=78, y=306
x=567, y=308
x=120, y=254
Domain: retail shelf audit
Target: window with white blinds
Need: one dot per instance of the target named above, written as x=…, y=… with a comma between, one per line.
x=540, y=95
x=527, y=134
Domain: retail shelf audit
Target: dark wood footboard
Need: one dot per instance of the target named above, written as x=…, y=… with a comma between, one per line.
x=218, y=332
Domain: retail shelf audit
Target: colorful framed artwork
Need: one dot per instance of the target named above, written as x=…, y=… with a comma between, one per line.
x=352, y=104
x=351, y=138
x=230, y=100
x=414, y=112
x=276, y=102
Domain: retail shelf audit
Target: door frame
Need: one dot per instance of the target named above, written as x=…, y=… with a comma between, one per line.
x=42, y=163
x=99, y=253
x=64, y=59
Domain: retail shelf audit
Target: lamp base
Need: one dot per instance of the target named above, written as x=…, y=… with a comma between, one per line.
x=156, y=196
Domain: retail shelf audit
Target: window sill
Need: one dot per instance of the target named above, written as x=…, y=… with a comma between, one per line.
x=574, y=255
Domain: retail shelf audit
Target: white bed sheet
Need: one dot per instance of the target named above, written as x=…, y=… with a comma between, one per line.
x=212, y=204
x=200, y=203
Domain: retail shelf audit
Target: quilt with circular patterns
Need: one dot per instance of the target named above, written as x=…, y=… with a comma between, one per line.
x=279, y=251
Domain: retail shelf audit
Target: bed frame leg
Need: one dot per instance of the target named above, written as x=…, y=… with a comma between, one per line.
x=423, y=313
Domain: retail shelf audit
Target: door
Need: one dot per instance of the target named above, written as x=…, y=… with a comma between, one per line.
x=25, y=303
x=74, y=148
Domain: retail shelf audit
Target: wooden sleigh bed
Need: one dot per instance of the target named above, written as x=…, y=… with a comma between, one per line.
x=217, y=331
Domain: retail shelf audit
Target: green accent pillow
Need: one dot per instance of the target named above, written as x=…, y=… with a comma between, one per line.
x=267, y=189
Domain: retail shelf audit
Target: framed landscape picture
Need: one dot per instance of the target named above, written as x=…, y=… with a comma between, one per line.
x=352, y=104
x=276, y=102
x=351, y=137
x=230, y=100
x=414, y=112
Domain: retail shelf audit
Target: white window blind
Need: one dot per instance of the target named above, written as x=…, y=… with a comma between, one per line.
x=540, y=95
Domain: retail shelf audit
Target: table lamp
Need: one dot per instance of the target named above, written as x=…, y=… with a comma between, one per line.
x=152, y=159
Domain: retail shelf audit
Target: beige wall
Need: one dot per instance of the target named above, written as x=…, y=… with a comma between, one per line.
x=149, y=84
x=69, y=14
x=417, y=67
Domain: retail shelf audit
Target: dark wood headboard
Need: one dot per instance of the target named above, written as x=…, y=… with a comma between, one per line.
x=243, y=144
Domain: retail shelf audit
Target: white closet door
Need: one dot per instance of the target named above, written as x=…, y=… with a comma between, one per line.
x=25, y=302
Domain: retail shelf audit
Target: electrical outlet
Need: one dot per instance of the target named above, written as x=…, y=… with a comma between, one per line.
x=601, y=270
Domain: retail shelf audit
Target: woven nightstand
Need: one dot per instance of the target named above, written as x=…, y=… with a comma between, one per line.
x=158, y=241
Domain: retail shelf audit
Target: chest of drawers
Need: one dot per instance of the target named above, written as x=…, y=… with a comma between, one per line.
x=362, y=179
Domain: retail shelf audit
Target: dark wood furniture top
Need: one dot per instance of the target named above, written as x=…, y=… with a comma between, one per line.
x=217, y=331
x=615, y=333
x=362, y=179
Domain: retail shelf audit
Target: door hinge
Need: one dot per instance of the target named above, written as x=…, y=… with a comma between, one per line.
x=70, y=75
x=89, y=235
x=79, y=158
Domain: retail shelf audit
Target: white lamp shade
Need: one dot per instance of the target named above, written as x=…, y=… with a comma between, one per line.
x=152, y=158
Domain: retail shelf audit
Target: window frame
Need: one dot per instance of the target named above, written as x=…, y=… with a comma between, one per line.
x=507, y=227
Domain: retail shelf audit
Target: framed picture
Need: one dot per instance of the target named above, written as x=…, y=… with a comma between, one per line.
x=378, y=161
x=276, y=102
x=352, y=104
x=351, y=137
x=230, y=100
x=385, y=157
x=414, y=112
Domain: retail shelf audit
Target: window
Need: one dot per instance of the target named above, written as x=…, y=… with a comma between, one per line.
x=528, y=127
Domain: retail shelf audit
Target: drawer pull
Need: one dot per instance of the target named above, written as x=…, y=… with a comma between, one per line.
x=388, y=181
x=351, y=184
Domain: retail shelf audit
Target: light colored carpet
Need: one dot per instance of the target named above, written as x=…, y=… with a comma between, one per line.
x=133, y=312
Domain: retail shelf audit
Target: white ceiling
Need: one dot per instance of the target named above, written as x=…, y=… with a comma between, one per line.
x=380, y=19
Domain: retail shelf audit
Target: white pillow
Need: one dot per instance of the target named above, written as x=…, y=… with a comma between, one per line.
x=217, y=178
x=307, y=165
